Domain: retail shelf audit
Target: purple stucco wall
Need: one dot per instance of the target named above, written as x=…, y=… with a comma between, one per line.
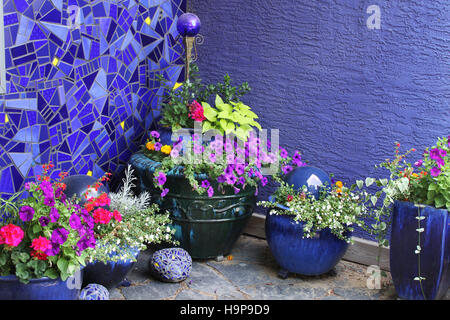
x=338, y=91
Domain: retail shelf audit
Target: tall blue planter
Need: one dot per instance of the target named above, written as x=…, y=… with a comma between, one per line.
x=308, y=256
x=434, y=257
x=39, y=289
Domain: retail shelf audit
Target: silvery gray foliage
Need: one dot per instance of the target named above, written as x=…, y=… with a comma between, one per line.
x=125, y=201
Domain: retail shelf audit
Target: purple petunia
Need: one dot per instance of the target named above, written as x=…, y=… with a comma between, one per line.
x=283, y=153
x=164, y=192
x=26, y=213
x=212, y=157
x=240, y=169
x=158, y=146
x=231, y=179
x=59, y=236
x=418, y=163
x=286, y=169
x=241, y=180
x=264, y=181
x=154, y=134
x=210, y=191
x=161, y=178
x=205, y=184
x=435, y=171
x=54, y=250
x=221, y=178
x=44, y=221
x=54, y=215
x=75, y=221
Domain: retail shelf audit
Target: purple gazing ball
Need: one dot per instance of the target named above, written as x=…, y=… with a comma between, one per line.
x=188, y=25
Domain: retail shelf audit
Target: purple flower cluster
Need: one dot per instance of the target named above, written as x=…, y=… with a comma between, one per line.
x=438, y=156
x=83, y=223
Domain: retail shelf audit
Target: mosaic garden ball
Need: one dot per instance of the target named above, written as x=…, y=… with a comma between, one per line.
x=188, y=25
x=78, y=185
x=171, y=264
x=94, y=291
x=313, y=178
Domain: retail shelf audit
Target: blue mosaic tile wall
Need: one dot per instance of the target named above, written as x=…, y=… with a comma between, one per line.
x=81, y=83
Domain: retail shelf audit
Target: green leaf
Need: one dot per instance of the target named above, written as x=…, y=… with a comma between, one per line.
x=62, y=265
x=384, y=182
x=359, y=183
x=226, y=115
x=439, y=201
x=369, y=181
x=432, y=186
x=374, y=200
x=36, y=228
x=209, y=112
x=218, y=100
x=206, y=125
x=51, y=273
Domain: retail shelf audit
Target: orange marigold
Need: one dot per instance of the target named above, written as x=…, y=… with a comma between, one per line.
x=150, y=146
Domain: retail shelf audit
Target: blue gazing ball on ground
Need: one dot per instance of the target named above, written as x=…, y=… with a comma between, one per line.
x=188, y=25
x=313, y=178
x=94, y=291
x=171, y=264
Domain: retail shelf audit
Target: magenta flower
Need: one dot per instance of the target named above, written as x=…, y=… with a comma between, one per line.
x=212, y=157
x=154, y=134
x=264, y=181
x=286, y=169
x=210, y=191
x=231, y=179
x=240, y=169
x=164, y=192
x=26, y=213
x=54, y=250
x=205, y=184
x=283, y=153
x=174, y=153
x=236, y=190
x=161, y=178
x=158, y=146
x=241, y=180
x=418, y=163
x=435, y=172
x=221, y=178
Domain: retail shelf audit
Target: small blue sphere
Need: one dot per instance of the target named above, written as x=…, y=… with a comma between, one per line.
x=78, y=185
x=94, y=291
x=171, y=264
x=313, y=178
x=188, y=25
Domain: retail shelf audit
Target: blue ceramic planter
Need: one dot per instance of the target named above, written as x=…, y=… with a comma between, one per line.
x=110, y=274
x=38, y=289
x=309, y=256
x=434, y=257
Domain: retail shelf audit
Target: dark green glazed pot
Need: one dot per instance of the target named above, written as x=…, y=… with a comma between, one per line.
x=205, y=227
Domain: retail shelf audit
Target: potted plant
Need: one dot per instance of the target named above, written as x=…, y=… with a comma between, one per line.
x=41, y=251
x=308, y=231
x=181, y=105
x=134, y=224
x=209, y=189
x=418, y=197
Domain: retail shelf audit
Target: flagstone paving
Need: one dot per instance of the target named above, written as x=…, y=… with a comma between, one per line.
x=250, y=273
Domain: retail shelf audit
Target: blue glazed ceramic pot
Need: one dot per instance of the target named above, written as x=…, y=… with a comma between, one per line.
x=309, y=256
x=109, y=274
x=39, y=289
x=434, y=256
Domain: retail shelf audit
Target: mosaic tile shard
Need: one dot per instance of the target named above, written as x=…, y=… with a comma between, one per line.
x=81, y=82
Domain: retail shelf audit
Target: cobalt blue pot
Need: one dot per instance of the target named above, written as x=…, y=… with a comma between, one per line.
x=434, y=256
x=39, y=289
x=110, y=274
x=309, y=256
